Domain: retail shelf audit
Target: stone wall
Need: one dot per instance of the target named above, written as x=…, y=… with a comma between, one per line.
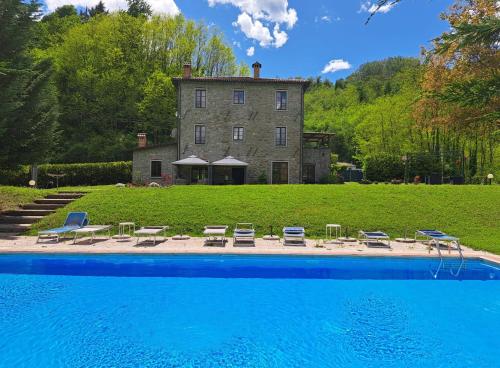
x=320, y=158
x=141, y=165
x=258, y=116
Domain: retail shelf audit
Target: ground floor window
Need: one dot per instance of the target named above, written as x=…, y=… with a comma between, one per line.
x=309, y=174
x=156, y=169
x=280, y=173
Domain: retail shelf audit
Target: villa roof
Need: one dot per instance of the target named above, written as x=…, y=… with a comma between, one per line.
x=192, y=161
x=243, y=79
x=229, y=161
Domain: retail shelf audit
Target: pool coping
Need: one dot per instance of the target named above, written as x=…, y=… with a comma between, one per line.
x=195, y=246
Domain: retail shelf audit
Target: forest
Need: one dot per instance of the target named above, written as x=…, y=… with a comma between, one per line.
x=77, y=85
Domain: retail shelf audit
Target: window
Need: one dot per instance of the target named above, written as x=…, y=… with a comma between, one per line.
x=155, y=169
x=280, y=136
x=199, y=134
x=238, y=97
x=201, y=98
x=199, y=174
x=238, y=133
x=280, y=173
x=281, y=100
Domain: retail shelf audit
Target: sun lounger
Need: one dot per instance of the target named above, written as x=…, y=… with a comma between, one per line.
x=435, y=237
x=91, y=230
x=294, y=236
x=215, y=234
x=374, y=237
x=151, y=231
x=74, y=220
x=244, y=234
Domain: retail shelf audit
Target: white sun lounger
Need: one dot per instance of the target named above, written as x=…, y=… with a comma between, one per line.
x=215, y=234
x=244, y=234
x=151, y=231
x=91, y=230
x=294, y=236
x=377, y=237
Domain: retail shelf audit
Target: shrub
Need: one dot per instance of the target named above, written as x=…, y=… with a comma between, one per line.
x=97, y=173
x=262, y=179
x=331, y=179
x=383, y=167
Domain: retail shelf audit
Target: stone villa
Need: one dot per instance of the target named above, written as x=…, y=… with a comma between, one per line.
x=236, y=130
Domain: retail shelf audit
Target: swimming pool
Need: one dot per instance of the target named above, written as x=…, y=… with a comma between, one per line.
x=246, y=311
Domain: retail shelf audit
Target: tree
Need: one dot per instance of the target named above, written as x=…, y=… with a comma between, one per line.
x=113, y=76
x=157, y=107
x=461, y=100
x=28, y=103
x=138, y=8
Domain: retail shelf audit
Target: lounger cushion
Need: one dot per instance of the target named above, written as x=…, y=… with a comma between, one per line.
x=293, y=230
x=59, y=230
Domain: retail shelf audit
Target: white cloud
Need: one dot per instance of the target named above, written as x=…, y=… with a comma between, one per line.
x=254, y=29
x=158, y=6
x=258, y=16
x=369, y=7
x=251, y=51
x=237, y=44
x=335, y=65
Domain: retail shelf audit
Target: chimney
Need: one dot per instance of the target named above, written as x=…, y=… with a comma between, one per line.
x=256, y=69
x=142, y=140
x=187, y=71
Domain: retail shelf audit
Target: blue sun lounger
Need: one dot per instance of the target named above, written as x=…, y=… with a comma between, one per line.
x=435, y=237
x=294, y=236
x=370, y=237
x=74, y=220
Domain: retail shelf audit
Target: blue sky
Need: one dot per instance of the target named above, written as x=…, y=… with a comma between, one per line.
x=309, y=37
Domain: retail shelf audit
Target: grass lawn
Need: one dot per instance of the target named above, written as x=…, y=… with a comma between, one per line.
x=470, y=212
x=13, y=197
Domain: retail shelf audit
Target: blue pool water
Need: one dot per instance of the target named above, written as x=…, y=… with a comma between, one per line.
x=253, y=311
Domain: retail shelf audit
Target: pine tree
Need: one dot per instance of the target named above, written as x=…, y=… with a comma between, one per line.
x=28, y=103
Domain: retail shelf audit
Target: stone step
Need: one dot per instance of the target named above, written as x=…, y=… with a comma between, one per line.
x=28, y=212
x=14, y=228
x=64, y=196
x=63, y=201
x=9, y=236
x=40, y=206
x=19, y=219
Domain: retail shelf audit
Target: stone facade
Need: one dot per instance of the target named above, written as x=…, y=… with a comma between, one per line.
x=259, y=118
x=141, y=163
x=320, y=157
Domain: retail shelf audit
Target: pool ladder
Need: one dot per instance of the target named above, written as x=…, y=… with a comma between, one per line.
x=442, y=262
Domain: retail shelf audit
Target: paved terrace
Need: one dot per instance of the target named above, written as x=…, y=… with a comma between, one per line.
x=102, y=245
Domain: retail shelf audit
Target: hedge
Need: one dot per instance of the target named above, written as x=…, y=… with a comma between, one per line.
x=383, y=167
x=98, y=173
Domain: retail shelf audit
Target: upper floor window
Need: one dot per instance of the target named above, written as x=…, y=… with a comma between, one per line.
x=156, y=169
x=238, y=97
x=280, y=138
x=238, y=133
x=201, y=98
x=199, y=134
x=281, y=100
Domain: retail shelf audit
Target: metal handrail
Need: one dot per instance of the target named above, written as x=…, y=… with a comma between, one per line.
x=461, y=258
x=435, y=274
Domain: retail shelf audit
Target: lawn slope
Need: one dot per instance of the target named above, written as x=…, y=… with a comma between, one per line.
x=12, y=197
x=470, y=212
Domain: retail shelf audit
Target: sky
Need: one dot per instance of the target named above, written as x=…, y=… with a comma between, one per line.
x=304, y=38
